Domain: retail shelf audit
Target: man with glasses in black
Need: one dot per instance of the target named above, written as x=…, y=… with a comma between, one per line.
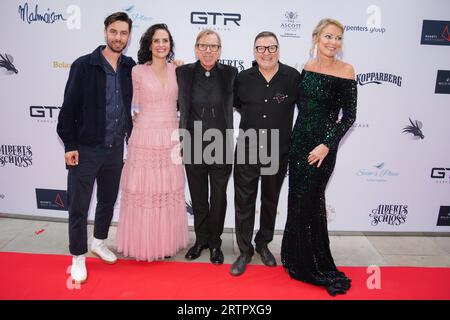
x=205, y=101
x=265, y=96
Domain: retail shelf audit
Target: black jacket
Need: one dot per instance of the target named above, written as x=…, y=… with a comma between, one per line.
x=185, y=75
x=82, y=117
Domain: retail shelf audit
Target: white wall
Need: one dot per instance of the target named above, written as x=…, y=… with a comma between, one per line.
x=397, y=168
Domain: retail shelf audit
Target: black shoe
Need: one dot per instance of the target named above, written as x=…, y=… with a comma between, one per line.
x=216, y=256
x=266, y=256
x=195, y=251
x=238, y=267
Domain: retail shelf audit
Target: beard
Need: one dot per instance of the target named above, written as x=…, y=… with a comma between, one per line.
x=116, y=46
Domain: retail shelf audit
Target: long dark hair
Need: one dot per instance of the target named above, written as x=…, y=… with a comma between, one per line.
x=144, y=53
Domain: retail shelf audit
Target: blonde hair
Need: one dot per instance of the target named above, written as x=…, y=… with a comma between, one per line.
x=207, y=32
x=319, y=28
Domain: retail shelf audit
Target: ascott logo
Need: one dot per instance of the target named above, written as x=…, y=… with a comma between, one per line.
x=290, y=25
x=378, y=78
x=19, y=156
x=391, y=214
x=216, y=20
x=44, y=113
x=34, y=14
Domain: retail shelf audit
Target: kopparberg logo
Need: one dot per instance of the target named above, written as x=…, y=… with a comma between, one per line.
x=6, y=62
x=378, y=78
x=29, y=14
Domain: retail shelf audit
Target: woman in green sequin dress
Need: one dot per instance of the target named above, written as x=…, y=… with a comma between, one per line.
x=327, y=87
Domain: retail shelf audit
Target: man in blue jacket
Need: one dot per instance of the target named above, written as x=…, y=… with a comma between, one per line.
x=93, y=123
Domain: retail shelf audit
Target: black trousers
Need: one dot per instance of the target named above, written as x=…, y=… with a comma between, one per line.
x=246, y=179
x=95, y=163
x=209, y=214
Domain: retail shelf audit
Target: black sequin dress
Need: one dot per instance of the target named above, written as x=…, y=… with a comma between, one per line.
x=305, y=251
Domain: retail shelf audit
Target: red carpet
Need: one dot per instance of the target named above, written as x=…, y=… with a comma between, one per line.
x=38, y=276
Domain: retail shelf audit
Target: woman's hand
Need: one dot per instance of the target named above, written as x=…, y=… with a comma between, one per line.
x=178, y=62
x=318, y=154
x=134, y=116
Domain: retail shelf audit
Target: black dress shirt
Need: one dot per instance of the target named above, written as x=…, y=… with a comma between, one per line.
x=265, y=106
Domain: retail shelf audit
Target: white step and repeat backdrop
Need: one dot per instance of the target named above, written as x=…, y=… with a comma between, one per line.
x=393, y=168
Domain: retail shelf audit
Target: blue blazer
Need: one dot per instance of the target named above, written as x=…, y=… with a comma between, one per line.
x=82, y=117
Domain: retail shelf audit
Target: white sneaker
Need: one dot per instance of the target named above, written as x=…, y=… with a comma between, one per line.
x=100, y=249
x=78, y=270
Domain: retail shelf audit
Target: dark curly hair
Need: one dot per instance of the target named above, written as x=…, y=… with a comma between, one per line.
x=144, y=53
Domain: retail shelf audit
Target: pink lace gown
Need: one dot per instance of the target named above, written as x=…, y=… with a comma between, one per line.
x=153, y=219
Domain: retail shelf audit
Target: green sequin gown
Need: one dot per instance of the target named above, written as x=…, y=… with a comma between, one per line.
x=305, y=251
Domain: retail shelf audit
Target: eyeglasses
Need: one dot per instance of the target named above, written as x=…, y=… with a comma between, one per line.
x=204, y=47
x=262, y=49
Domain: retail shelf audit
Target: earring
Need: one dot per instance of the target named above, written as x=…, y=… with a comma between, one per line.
x=313, y=52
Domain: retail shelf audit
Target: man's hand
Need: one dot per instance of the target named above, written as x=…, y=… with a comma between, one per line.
x=71, y=158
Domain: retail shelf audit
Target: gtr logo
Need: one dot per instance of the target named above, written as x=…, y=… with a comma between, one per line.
x=42, y=111
x=215, y=18
x=440, y=173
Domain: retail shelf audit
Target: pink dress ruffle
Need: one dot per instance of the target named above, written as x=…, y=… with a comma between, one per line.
x=153, y=219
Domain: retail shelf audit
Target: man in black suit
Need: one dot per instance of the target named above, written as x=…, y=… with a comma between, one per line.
x=205, y=100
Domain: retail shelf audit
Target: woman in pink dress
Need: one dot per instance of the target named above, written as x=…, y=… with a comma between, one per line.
x=153, y=220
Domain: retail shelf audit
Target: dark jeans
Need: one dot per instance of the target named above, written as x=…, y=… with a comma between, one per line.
x=209, y=214
x=95, y=163
x=246, y=179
